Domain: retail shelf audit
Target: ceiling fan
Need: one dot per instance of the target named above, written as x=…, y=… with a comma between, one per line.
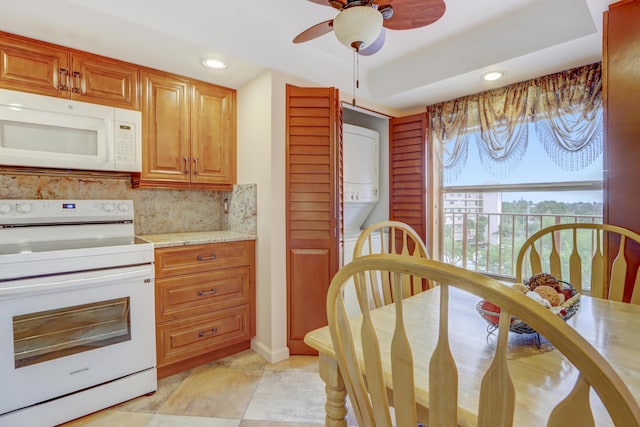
x=359, y=17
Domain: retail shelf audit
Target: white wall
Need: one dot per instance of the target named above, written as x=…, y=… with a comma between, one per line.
x=256, y=164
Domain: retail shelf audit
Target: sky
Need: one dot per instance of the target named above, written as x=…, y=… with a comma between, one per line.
x=474, y=174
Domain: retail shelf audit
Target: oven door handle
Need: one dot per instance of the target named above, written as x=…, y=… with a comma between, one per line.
x=65, y=282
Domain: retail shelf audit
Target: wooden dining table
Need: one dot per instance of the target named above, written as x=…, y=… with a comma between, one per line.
x=541, y=374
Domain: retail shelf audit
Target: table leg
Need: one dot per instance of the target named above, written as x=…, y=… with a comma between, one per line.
x=335, y=408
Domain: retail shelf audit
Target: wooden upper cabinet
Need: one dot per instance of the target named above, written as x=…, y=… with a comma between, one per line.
x=104, y=81
x=37, y=67
x=165, y=128
x=189, y=133
x=33, y=67
x=213, y=147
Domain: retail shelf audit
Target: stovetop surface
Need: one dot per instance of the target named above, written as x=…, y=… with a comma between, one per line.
x=109, y=244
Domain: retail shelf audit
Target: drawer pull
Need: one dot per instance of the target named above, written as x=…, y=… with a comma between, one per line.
x=206, y=258
x=213, y=331
x=209, y=292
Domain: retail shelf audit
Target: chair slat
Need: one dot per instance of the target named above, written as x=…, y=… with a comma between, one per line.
x=575, y=264
x=618, y=274
x=497, y=392
x=534, y=259
x=352, y=374
x=575, y=409
x=597, y=269
x=402, y=367
x=443, y=374
x=554, y=259
x=373, y=365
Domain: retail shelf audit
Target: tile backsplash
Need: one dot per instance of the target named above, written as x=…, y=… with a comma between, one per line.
x=156, y=211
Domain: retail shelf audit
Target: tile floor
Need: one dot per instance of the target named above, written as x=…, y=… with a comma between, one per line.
x=242, y=390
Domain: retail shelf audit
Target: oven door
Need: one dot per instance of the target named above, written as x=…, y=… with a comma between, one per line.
x=60, y=334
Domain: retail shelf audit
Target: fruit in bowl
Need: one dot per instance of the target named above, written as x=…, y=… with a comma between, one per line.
x=543, y=279
x=556, y=295
x=492, y=308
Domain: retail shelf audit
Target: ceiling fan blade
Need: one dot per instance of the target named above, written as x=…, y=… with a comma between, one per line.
x=338, y=4
x=375, y=46
x=409, y=14
x=314, y=31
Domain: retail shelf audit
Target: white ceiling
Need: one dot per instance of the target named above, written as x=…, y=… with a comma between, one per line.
x=415, y=68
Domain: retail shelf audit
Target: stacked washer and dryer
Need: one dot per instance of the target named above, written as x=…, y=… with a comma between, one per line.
x=361, y=184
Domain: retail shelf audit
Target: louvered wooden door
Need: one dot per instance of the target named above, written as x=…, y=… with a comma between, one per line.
x=408, y=190
x=312, y=208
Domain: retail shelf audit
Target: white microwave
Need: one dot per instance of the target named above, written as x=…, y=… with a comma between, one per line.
x=47, y=132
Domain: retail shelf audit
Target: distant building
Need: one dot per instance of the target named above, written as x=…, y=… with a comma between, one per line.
x=465, y=210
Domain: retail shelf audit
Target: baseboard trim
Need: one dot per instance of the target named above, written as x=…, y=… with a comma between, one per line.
x=267, y=353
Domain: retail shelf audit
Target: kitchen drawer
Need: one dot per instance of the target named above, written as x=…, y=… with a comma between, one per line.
x=202, y=292
x=186, y=338
x=173, y=261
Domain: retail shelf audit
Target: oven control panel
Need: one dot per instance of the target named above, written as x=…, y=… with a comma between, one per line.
x=37, y=211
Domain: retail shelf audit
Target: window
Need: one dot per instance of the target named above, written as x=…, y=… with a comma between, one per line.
x=515, y=160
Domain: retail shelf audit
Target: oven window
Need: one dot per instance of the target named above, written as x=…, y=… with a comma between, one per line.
x=47, y=335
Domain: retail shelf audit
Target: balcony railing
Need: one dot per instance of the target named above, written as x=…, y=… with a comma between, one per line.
x=489, y=242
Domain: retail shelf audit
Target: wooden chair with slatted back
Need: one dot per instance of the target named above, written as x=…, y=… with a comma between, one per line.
x=396, y=238
x=496, y=406
x=556, y=250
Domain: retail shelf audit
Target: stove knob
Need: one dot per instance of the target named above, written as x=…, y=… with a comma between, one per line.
x=24, y=208
x=107, y=207
x=123, y=207
x=5, y=208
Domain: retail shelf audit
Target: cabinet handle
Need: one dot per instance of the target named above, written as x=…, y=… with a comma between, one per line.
x=206, y=293
x=206, y=257
x=186, y=165
x=195, y=166
x=212, y=331
x=77, y=82
x=63, y=79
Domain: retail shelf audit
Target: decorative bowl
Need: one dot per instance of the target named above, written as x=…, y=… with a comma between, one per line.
x=565, y=311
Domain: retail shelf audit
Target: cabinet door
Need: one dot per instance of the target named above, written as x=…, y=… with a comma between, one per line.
x=213, y=136
x=34, y=67
x=165, y=128
x=104, y=81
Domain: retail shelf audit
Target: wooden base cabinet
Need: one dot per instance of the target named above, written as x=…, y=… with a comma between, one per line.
x=205, y=303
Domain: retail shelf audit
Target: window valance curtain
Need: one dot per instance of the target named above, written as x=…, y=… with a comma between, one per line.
x=565, y=110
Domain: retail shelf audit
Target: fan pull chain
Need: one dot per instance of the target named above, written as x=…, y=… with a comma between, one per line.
x=355, y=74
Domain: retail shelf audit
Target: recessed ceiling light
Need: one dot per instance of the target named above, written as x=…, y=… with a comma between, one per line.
x=214, y=63
x=492, y=75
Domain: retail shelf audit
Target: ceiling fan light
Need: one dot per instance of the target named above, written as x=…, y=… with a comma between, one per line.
x=357, y=26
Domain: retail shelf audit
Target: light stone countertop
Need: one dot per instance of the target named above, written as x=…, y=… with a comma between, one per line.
x=195, y=238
